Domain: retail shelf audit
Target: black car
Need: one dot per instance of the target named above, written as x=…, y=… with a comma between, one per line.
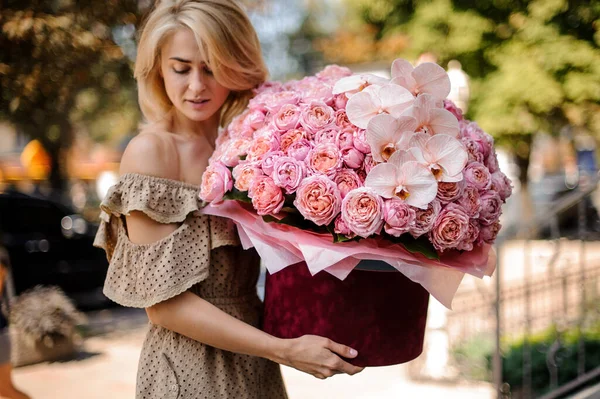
x=49, y=244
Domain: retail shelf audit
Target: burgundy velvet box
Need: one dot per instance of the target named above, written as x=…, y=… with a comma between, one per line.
x=380, y=314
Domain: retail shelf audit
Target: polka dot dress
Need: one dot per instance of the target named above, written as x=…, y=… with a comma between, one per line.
x=203, y=256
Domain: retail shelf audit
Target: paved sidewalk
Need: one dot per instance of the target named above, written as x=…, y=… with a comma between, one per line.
x=107, y=368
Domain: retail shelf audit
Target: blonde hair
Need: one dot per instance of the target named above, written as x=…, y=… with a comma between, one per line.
x=227, y=41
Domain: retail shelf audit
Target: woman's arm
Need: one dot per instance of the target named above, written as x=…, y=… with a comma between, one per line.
x=196, y=318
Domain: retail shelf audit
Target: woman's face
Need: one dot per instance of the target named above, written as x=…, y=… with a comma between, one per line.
x=189, y=83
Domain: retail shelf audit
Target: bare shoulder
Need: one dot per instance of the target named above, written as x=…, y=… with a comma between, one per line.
x=151, y=153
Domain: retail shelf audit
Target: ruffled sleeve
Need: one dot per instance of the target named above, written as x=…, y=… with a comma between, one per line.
x=141, y=275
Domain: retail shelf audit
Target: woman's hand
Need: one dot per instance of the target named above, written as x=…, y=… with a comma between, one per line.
x=318, y=356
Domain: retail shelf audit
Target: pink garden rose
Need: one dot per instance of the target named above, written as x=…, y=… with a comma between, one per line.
x=369, y=163
x=399, y=217
x=501, y=184
x=333, y=72
x=362, y=211
x=316, y=116
x=352, y=157
x=450, y=228
x=492, y=162
x=341, y=119
x=288, y=172
x=453, y=108
x=491, y=207
x=473, y=150
x=267, y=198
x=291, y=136
x=340, y=101
x=425, y=218
x=471, y=237
x=449, y=191
x=216, y=181
x=482, y=139
x=470, y=201
x=287, y=117
x=261, y=146
x=268, y=160
x=318, y=200
x=478, y=176
x=326, y=136
x=278, y=99
x=254, y=119
x=489, y=233
x=345, y=138
x=325, y=159
x=340, y=227
x=234, y=149
x=360, y=141
x=316, y=90
x=299, y=149
x=346, y=181
x=244, y=173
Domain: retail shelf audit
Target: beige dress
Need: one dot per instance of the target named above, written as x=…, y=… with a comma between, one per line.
x=204, y=256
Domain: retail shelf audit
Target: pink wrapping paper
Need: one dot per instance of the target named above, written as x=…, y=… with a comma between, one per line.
x=281, y=246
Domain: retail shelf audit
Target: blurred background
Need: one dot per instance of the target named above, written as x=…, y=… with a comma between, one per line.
x=527, y=71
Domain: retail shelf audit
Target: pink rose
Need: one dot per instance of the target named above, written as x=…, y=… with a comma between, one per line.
x=299, y=149
x=449, y=191
x=341, y=119
x=352, y=157
x=290, y=137
x=425, y=218
x=261, y=146
x=489, y=233
x=340, y=227
x=345, y=138
x=333, y=72
x=277, y=100
x=316, y=116
x=233, y=150
x=399, y=217
x=473, y=150
x=470, y=201
x=450, y=228
x=454, y=110
x=267, y=198
x=244, y=173
x=360, y=141
x=288, y=172
x=318, y=199
x=362, y=211
x=471, y=237
x=325, y=159
x=502, y=185
x=484, y=141
x=491, y=207
x=492, y=162
x=268, y=87
x=478, y=176
x=340, y=101
x=268, y=160
x=327, y=135
x=317, y=91
x=254, y=119
x=287, y=117
x=346, y=181
x=369, y=163
x=216, y=181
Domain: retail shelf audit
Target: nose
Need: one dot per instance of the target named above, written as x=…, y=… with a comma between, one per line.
x=197, y=83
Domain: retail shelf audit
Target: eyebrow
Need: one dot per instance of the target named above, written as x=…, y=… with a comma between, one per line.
x=181, y=60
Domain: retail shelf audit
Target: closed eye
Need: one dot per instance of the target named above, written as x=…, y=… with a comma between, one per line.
x=181, y=71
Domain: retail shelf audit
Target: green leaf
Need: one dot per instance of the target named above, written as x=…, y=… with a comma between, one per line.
x=237, y=195
x=419, y=245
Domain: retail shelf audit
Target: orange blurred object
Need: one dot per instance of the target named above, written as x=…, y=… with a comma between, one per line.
x=36, y=160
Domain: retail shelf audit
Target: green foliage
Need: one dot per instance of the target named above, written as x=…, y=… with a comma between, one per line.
x=534, y=64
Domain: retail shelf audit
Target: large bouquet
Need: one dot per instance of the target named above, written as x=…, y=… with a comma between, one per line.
x=335, y=168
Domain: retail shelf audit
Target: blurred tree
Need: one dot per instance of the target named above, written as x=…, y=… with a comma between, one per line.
x=534, y=64
x=61, y=61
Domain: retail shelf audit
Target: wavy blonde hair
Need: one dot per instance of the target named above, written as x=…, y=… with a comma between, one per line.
x=226, y=39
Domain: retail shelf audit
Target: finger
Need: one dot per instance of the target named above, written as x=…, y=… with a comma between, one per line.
x=342, y=350
x=348, y=368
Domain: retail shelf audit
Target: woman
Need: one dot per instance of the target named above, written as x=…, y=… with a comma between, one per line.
x=197, y=64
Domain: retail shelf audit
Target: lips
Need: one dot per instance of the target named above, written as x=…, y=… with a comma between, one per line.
x=199, y=101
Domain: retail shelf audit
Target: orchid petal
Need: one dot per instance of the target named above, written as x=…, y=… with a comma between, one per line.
x=395, y=99
x=451, y=179
x=400, y=157
x=447, y=152
x=432, y=79
x=382, y=179
x=443, y=122
x=348, y=83
x=404, y=139
x=419, y=140
x=381, y=131
x=401, y=68
x=361, y=107
x=420, y=183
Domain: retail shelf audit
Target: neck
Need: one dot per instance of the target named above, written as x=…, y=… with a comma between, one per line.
x=185, y=127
